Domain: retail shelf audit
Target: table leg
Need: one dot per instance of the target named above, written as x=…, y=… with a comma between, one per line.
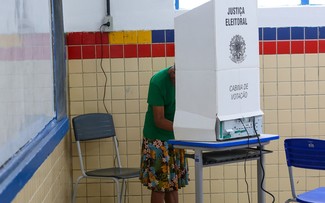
x=260, y=193
x=198, y=176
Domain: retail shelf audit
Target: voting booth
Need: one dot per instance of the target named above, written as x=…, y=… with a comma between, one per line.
x=217, y=72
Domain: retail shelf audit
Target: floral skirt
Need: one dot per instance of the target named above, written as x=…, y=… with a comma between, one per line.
x=163, y=168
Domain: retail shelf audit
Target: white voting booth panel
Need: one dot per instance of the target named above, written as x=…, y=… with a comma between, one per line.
x=217, y=68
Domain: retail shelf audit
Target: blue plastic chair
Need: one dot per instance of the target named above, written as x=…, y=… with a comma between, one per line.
x=308, y=154
x=95, y=126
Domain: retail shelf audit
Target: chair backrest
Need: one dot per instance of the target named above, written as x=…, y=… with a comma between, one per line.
x=305, y=153
x=93, y=126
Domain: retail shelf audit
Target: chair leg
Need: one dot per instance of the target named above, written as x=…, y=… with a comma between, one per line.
x=75, y=188
x=118, y=190
x=290, y=200
x=123, y=191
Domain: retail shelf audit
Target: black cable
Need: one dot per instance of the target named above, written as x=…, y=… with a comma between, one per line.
x=101, y=66
x=245, y=161
x=262, y=167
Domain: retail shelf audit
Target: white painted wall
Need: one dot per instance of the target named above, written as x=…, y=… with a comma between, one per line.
x=85, y=15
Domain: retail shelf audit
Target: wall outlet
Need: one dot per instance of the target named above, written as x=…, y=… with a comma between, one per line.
x=108, y=23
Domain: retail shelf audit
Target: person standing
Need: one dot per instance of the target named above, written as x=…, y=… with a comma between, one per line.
x=164, y=169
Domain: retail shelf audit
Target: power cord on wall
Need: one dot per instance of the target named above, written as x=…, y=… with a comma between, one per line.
x=105, y=87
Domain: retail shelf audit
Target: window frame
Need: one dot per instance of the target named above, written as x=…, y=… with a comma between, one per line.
x=18, y=170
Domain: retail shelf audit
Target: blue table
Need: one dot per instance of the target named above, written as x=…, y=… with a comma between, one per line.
x=201, y=147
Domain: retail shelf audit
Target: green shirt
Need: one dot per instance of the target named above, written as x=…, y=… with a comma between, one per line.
x=161, y=93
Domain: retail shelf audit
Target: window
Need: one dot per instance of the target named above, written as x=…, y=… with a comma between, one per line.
x=33, y=117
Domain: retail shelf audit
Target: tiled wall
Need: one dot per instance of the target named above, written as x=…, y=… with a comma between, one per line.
x=52, y=181
x=292, y=67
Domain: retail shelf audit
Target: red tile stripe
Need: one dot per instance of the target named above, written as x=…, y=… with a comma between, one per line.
x=91, y=45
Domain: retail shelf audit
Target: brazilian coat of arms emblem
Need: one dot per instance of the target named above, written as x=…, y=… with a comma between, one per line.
x=237, y=49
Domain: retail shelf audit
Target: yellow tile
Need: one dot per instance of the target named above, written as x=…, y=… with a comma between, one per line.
x=132, y=120
x=298, y=102
x=322, y=90
x=90, y=93
x=76, y=108
x=312, y=129
x=89, y=65
x=130, y=37
x=118, y=106
x=107, y=93
x=106, y=148
x=144, y=78
x=144, y=105
x=91, y=107
x=322, y=115
x=117, y=79
x=284, y=61
x=132, y=106
x=145, y=64
x=270, y=75
x=312, y=87
x=321, y=101
x=170, y=61
x=131, y=78
x=230, y=171
x=298, y=130
x=159, y=63
x=117, y=65
x=298, y=116
x=312, y=101
x=106, y=161
x=75, y=80
x=92, y=162
x=270, y=61
x=76, y=94
x=297, y=60
x=131, y=64
x=89, y=79
x=230, y=186
x=270, y=89
x=104, y=64
x=144, y=37
x=93, y=189
x=270, y=116
x=285, y=129
x=284, y=102
x=284, y=75
x=134, y=133
x=101, y=79
x=132, y=92
x=122, y=130
x=284, y=116
x=298, y=88
x=116, y=37
x=119, y=122
x=75, y=66
x=321, y=59
x=311, y=60
x=284, y=88
x=133, y=147
x=321, y=73
x=107, y=189
x=311, y=74
x=311, y=115
x=133, y=161
x=92, y=148
x=298, y=74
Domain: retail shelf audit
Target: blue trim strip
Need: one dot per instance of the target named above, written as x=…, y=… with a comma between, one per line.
x=17, y=172
x=218, y=145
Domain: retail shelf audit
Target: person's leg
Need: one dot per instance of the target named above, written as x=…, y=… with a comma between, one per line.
x=157, y=197
x=171, y=197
